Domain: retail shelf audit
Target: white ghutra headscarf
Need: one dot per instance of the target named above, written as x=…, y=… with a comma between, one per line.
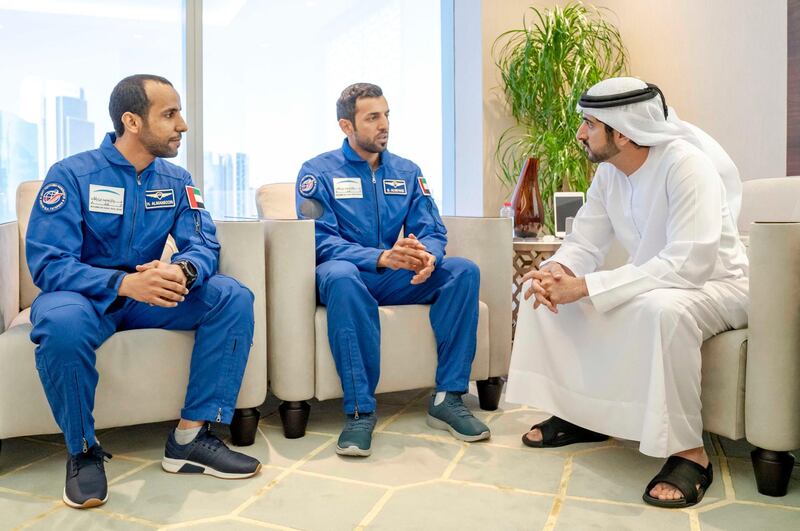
x=639, y=111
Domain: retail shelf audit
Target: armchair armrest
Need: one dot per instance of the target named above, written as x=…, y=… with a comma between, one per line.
x=9, y=273
x=242, y=257
x=488, y=243
x=291, y=306
x=772, y=417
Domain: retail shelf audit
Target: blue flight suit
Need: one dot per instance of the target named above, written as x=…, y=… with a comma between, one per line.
x=359, y=214
x=94, y=221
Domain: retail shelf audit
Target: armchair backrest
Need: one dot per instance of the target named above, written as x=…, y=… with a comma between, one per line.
x=276, y=201
x=26, y=196
x=776, y=199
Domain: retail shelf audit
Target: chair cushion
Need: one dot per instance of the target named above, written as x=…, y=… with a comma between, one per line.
x=276, y=201
x=775, y=199
x=22, y=318
x=408, y=351
x=723, y=379
x=26, y=197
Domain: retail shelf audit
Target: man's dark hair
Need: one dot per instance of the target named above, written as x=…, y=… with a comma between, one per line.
x=346, y=104
x=129, y=96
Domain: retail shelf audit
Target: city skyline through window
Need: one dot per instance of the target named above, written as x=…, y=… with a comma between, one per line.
x=272, y=72
x=60, y=62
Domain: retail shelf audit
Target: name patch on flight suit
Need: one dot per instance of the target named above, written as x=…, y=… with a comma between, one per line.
x=106, y=199
x=347, y=188
x=159, y=199
x=394, y=187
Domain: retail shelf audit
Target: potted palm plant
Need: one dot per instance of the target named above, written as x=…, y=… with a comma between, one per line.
x=545, y=66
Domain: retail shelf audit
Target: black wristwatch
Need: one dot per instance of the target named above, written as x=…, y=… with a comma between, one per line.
x=189, y=271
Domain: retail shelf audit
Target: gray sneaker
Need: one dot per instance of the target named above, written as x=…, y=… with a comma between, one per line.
x=452, y=415
x=356, y=436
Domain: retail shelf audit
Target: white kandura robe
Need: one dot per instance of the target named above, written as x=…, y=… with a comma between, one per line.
x=626, y=360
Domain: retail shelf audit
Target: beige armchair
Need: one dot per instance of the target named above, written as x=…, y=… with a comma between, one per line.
x=300, y=362
x=750, y=377
x=143, y=373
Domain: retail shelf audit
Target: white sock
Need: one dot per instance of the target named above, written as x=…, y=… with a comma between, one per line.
x=186, y=436
x=439, y=398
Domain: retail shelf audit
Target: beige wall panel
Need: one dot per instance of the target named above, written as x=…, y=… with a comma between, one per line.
x=721, y=64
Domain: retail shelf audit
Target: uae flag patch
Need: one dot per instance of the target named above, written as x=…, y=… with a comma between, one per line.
x=423, y=184
x=195, y=198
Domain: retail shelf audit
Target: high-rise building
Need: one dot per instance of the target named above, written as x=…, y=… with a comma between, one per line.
x=242, y=184
x=19, y=159
x=226, y=179
x=74, y=132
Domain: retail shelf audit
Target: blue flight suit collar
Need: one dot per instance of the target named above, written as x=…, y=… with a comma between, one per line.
x=113, y=155
x=351, y=155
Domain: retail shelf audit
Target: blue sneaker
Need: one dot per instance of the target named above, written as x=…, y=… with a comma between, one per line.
x=86, y=484
x=356, y=436
x=452, y=415
x=207, y=454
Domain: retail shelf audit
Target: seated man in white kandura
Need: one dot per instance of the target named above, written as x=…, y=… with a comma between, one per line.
x=618, y=352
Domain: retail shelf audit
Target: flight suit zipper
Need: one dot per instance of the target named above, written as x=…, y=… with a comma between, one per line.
x=377, y=213
x=135, y=204
x=84, y=442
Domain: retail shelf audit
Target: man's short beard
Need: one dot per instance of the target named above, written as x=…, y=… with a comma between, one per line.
x=156, y=148
x=368, y=145
x=609, y=150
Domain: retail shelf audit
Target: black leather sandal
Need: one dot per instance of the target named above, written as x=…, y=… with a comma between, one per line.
x=558, y=432
x=684, y=475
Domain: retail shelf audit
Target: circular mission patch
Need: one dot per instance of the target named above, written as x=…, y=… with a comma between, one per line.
x=52, y=197
x=308, y=185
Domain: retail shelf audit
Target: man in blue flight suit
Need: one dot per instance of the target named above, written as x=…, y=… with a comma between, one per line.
x=94, y=239
x=361, y=196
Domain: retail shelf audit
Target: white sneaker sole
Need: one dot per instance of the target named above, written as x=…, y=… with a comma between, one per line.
x=433, y=422
x=353, y=451
x=174, y=466
x=88, y=504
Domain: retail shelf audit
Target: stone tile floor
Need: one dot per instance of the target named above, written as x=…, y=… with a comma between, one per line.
x=417, y=478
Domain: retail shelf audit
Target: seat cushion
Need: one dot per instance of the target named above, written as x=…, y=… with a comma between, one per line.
x=143, y=378
x=408, y=351
x=723, y=379
x=23, y=317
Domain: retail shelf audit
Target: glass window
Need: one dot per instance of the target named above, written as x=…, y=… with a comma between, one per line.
x=60, y=62
x=273, y=70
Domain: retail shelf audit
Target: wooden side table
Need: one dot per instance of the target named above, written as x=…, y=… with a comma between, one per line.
x=528, y=253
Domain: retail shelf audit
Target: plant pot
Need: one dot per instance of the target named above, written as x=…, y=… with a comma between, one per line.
x=527, y=202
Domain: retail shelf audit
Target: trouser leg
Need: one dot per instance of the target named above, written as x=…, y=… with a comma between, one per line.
x=452, y=291
x=67, y=330
x=221, y=313
x=353, y=332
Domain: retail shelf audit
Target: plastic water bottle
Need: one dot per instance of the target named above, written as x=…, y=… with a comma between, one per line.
x=508, y=212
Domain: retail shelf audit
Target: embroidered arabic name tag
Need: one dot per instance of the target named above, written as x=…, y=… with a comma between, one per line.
x=159, y=199
x=347, y=188
x=106, y=199
x=394, y=187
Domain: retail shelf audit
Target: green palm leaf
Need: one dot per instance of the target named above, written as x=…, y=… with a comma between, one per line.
x=544, y=68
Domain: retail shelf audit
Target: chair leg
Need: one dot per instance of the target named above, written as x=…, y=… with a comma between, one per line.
x=489, y=392
x=773, y=470
x=244, y=426
x=294, y=417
